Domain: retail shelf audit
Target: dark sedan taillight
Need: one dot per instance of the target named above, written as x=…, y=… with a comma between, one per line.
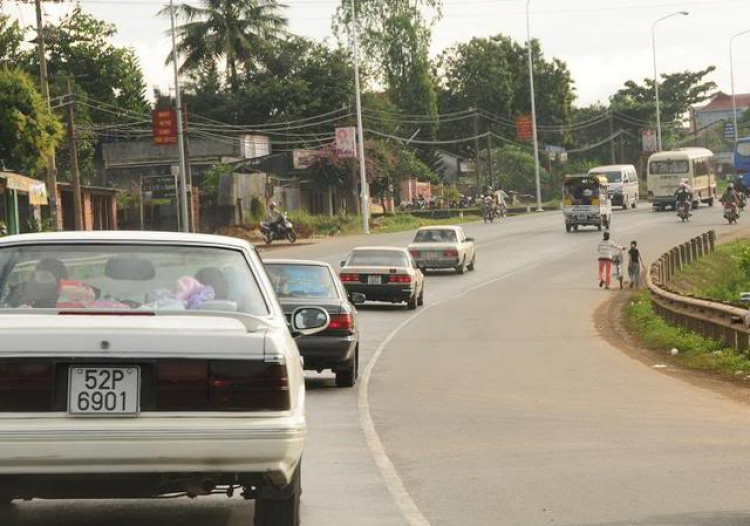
x=341, y=322
x=399, y=278
x=27, y=386
x=349, y=278
x=248, y=386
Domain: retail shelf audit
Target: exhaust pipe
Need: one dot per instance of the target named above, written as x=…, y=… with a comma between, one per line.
x=202, y=487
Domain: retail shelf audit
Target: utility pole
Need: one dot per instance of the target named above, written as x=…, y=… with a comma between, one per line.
x=188, y=172
x=477, y=164
x=51, y=167
x=612, y=141
x=74, y=169
x=537, y=169
x=489, y=159
x=182, y=190
x=365, y=188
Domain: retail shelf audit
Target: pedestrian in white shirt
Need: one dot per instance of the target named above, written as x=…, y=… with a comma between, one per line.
x=607, y=251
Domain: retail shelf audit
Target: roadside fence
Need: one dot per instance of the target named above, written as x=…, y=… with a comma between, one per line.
x=711, y=319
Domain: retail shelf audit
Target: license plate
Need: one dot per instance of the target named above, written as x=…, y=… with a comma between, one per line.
x=104, y=390
x=434, y=255
x=374, y=280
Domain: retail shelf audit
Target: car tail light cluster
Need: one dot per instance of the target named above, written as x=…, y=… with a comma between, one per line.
x=451, y=253
x=349, y=278
x=222, y=386
x=341, y=322
x=414, y=253
x=27, y=386
x=399, y=278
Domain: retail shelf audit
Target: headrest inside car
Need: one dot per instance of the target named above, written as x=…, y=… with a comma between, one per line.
x=130, y=269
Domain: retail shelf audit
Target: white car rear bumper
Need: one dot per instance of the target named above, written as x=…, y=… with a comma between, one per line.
x=63, y=445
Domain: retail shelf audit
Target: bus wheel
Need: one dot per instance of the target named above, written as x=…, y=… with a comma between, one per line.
x=711, y=202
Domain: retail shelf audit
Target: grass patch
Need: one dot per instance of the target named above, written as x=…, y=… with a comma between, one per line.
x=721, y=276
x=696, y=352
x=404, y=222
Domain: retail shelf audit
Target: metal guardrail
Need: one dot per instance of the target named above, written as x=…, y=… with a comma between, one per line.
x=711, y=319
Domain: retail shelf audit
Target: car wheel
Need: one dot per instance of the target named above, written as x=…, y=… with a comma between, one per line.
x=461, y=268
x=568, y=228
x=473, y=264
x=413, y=302
x=420, y=299
x=281, y=507
x=348, y=377
x=625, y=203
x=711, y=202
x=635, y=202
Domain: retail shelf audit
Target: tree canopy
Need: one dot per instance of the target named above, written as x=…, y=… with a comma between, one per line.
x=28, y=129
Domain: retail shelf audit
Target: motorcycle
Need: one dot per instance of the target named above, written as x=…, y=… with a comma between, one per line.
x=488, y=214
x=731, y=213
x=683, y=211
x=282, y=229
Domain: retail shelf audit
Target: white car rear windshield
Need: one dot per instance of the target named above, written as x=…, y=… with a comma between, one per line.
x=128, y=277
x=302, y=281
x=377, y=258
x=435, y=236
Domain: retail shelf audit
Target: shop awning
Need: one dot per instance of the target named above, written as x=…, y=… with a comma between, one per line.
x=37, y=190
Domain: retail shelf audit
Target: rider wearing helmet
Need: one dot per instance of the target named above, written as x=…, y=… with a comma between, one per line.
x=684, y=194
x=273, y=216
x=731, y=196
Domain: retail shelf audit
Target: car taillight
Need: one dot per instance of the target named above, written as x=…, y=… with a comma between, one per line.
x=349, y=278
x=341, y=322
x=27, y=386
x=451, y=253
x=414, y=253
x=227, y=385
x=399, y=278
x=248, y=386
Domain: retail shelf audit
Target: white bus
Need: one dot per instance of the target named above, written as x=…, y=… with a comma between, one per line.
x=667, y=169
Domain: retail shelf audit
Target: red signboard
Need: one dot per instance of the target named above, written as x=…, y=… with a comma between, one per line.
x=524, y=128
x=164, y=126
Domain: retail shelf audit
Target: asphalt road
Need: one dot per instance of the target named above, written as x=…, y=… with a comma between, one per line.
x=498, y=404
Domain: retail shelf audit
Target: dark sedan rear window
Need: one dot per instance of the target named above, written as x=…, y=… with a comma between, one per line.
x=377, y=258
x=302, y=281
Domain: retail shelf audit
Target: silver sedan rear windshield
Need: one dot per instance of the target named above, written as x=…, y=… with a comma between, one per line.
x=377, y=258
x=435, y=236
x=128, y=277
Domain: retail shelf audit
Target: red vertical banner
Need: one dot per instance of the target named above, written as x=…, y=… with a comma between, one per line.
x=164, y=125
x=524, y=128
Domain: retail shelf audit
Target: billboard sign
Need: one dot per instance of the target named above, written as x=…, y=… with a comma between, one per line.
x=159, y=190
x=346, y=142
x=648, y=137
x=524, y=128
x=164, y=125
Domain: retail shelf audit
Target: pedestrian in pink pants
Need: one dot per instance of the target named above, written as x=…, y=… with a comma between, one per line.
x=607, y=251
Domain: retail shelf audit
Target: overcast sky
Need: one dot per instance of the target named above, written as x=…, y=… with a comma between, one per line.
x=604, y=42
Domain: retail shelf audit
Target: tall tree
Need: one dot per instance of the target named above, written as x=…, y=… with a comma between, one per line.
x=11, y=38
x=228, y=31
x=28, y=129
x=396, y=40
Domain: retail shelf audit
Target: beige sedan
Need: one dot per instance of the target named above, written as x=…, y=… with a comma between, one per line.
x=443, y=247
x=385, y=274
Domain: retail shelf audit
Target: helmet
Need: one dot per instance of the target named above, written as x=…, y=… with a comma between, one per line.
x=272, y=205
x=731, y=186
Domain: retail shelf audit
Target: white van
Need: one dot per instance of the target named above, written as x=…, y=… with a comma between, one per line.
x=623, y=184
x=667, y=169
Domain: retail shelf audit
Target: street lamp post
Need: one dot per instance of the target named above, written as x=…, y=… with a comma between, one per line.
x=731, y=73
x=533, y=109
x=656, y=75
x=365, y=191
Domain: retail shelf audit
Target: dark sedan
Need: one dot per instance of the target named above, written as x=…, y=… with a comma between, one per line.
x=313, y=283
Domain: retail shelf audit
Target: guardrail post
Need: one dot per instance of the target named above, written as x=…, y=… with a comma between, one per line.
x=683, y=255
x=693, y=250
x=699, y=246
x=678, y=257
x=712, y=240
x=706, y=245
x=673, y=262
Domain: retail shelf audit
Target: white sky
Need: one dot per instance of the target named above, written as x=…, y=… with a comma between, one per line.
x=604, y=42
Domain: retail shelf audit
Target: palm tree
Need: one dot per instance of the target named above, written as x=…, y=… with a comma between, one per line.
x=229, y=31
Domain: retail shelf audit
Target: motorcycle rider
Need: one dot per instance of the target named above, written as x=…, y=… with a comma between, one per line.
x=731, y=196
x=274, y=216
x=683, y=196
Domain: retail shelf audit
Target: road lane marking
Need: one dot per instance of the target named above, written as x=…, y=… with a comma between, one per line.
x=393, y=481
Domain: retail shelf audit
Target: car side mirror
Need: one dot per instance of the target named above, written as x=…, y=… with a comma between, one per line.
x=342, y=264
x=469, y=240
x=307, y=321
x=357, y=299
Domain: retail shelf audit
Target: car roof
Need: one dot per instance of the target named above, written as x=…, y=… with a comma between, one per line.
x=123, y=236
x=682, y=153
x=611, y=167
x=440, y=227
x=381, y=249
x=297, y=262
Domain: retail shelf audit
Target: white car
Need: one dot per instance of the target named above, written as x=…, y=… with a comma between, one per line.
x=387, y=274
x=441, y=247
x=138, y=365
